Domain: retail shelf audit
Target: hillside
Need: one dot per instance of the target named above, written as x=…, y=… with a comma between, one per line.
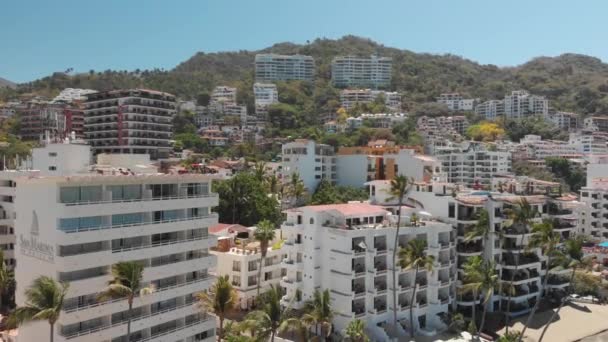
x=4, y=83
x=572, y=82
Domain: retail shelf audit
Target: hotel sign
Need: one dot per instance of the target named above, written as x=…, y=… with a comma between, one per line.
x=31, y=246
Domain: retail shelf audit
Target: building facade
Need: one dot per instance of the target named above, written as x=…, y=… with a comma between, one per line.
x=456, y=102
x=272, y=67
x=351, y=97
x=73, y=227
x=265, y=94
x=136, y=121
x=361, y=72
x=223, y=94
x=313, y=162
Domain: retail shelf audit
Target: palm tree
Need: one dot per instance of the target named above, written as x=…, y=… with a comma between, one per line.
x=299, y=325
x=296, y=187
x=355, y=331
x=510, y=337
x=573, y=253
x=320, y=313
x=6, y=277
x=264, y=234
x=547, y=240
x=482, y=228
x=44, y=301
x=126, y=283
x=400, y=186
x=267, y=321
x=414, y=257
x=521, y=215
x=272, y=184
x=480, y=277
x=220, y=299
x=259, y=170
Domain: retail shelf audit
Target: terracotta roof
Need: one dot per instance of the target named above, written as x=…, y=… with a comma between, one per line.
x=350, y=209
x=471, y=199
x=516, y=199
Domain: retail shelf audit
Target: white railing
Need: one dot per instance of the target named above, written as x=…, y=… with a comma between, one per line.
x=162, y=289
x=80, y=230
x=166, y=243
x=162, y=198
x=134, y=319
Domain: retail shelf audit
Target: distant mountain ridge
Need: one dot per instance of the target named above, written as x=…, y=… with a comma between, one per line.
x=6, y=83
x=571, y=82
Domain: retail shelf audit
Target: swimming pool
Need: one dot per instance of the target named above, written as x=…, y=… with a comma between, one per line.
x=603, y=244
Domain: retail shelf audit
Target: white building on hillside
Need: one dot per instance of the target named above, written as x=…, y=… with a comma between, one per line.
x=74, y=226
x=265, y=95
x=351, y=97
x=521, y=104
x=490, y=109
x=272, y=67
x=455, y=101
x=239, y=256
x=361, y=72
x=345, y=249
x=223, y=94
x=310, y=160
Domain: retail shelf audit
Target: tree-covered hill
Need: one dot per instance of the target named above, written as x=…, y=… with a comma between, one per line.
x=572, y=82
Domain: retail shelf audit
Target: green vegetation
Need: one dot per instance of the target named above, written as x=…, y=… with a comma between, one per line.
x=327, y=193
x=220, y=299
x=485, y=131
x=517, y=129
x=562, y=168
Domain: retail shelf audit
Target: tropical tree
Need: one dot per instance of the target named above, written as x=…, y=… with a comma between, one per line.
x=126, y=283
x=298, y=325
x=296, y=187
x=574, y=258
x=264, y=234
x=259, y=171
x=480, y=277
x=272, y=184
x=547, y=239
x=44, y=301
x=400, y=186
x=414, y=257
x=269, y=318
x=519, y=216
x=355, y=331
x=513, y=336
x=220, y=299
x=319, y=312
x=6, y=278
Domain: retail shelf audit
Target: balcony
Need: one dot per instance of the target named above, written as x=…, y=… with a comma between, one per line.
x=470, y=249
x=358, y=269
x=358, y=289
x=557, y=280
x=525, y=259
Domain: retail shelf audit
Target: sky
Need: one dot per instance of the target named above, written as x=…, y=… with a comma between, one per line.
x=40, y=37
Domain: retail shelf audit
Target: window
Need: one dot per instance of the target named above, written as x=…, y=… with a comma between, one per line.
x=252, y=280
x=451, y=210
x=52, y=154
x=312, y=220
x=236, y=265
x=253, y=265
x=52, y=168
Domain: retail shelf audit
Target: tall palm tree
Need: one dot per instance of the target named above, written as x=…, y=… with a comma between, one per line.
x=547, y=240
x=264, y=234
x=400, y=186
x=272, y=184
x=519, y=216
x=298, y=325
x=269, y=318
x=126, y=283
x=220, y=299
x=6, y=278
x=320, y=313
x=574, y=257
x=480, y=277
x=44, y=301
x=259, y=170
x=296, y=187
x=482, y=228
x=355, y=331
x=414, y=257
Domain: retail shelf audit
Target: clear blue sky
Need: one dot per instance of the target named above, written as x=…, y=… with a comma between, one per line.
x=40, y=37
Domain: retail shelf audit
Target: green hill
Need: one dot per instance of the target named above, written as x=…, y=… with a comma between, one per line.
x=571, y=82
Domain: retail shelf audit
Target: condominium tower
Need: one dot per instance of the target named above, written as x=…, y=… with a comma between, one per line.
x=361, y=72
x=272, y=67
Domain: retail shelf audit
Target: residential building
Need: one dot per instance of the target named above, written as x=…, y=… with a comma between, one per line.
x=443, y=125
x=594, y=196
x=383, y=120
x=265, y=94
x=239, y=257
x=310, y=160
x=521, y=104
x=345, y=249
x=37, y=119
x=357, y=165
x=74, y=225
x=473, y=164
x=136, y=121
x=536, y=148
x=351, y=97
x=564, y=120
x=456, y=102
x=223, y=94
x=273, y=67
x=490, y=109
x=361, y=72
x=589, y=142
x=596, y=123
x=69, y=95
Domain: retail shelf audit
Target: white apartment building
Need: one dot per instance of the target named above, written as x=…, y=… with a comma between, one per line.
x=69, y=95
x=521, y=104
x=472, y=164
x=589, y=143
x=490, y=109
x=455, y=101
x=346, y=249
x=443, y=125
x=384, y=120
x=136, y=121
x=223, y=94
x=310, y=160
x=594, y=196
x=596, y=123
x=238, y=257
x=350, y=97
x=73, y=226
x=564, y=120
x=265, y=95
x=361, y=72
x=273, y=67
x=541, y=149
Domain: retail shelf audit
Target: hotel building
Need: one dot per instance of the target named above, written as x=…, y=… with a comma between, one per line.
x=361, y=72
x=75, y=220
x=272, y=67
x=135, y=121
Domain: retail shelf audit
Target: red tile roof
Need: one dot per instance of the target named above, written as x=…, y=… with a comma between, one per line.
x=220, y=227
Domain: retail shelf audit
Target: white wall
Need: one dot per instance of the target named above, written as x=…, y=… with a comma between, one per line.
x=61, y=159
x=352, y=170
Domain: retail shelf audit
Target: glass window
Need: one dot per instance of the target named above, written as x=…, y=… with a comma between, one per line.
x=69, y=194
x=68, y=224
x=90, y=193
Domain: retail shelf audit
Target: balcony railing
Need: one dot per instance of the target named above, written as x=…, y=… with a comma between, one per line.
x=79, y=230
x=141, y=199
